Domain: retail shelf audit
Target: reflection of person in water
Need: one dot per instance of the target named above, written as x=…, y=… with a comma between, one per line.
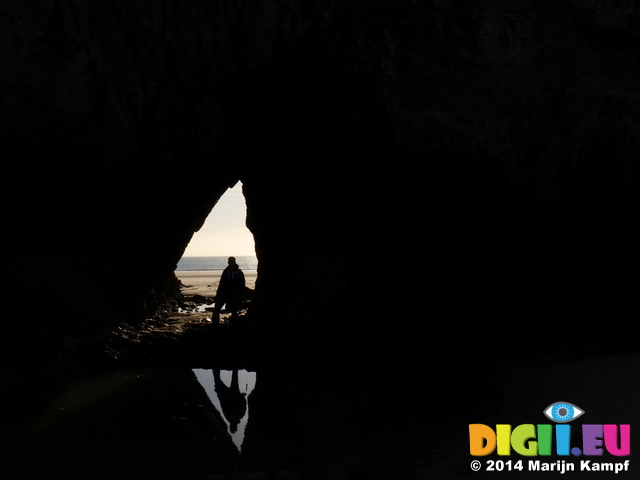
x=233, y=403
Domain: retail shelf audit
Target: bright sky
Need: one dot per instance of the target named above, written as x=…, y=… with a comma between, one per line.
x=224, y=232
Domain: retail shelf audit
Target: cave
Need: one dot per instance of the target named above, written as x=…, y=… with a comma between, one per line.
x=438, y=191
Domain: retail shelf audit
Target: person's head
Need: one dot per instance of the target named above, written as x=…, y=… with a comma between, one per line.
x=232, y=261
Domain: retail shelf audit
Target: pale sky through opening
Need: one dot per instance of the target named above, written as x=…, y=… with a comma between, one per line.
x=224, y=232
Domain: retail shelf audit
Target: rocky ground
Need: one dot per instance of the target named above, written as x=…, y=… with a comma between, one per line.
x=183, y=337
x=188, y=337
x=302, y=415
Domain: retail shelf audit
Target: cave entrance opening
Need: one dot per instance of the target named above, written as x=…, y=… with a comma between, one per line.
x=223, y=234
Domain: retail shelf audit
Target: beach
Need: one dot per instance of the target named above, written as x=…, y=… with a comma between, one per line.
x=205, y=283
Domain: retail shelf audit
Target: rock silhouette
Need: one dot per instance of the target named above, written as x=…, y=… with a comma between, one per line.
x=489, y=147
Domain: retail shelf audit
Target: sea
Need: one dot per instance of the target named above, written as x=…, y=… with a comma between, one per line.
x=204, y=264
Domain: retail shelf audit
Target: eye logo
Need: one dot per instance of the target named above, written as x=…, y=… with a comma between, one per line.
x=562, y=412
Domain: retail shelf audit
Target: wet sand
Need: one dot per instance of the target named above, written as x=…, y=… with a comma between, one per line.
x=206, y=283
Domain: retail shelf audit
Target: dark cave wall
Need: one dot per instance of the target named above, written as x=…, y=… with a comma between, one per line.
x=487, y=152
x=489, y=147
x=103, y=142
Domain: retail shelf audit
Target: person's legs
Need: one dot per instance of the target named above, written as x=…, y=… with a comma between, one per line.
x=219, y=303
x=233, y=305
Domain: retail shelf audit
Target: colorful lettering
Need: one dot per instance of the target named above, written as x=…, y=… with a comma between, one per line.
x=482, y=440
x=611, y=440
x=531, y=440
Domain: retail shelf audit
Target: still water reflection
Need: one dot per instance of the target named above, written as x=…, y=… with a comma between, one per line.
x=229, y=390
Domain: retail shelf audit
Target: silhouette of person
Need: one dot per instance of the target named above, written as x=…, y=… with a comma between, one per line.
x=233, y=403
x=229, y=291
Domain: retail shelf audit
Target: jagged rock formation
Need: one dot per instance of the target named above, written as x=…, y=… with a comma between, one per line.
x=489, y=147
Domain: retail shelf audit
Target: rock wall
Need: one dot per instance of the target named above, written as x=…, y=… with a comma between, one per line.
x=403, y=162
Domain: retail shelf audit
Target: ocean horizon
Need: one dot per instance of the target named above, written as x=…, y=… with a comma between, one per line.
x=213, y=263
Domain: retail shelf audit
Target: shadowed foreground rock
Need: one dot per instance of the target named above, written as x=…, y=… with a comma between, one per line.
x=136, y=423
